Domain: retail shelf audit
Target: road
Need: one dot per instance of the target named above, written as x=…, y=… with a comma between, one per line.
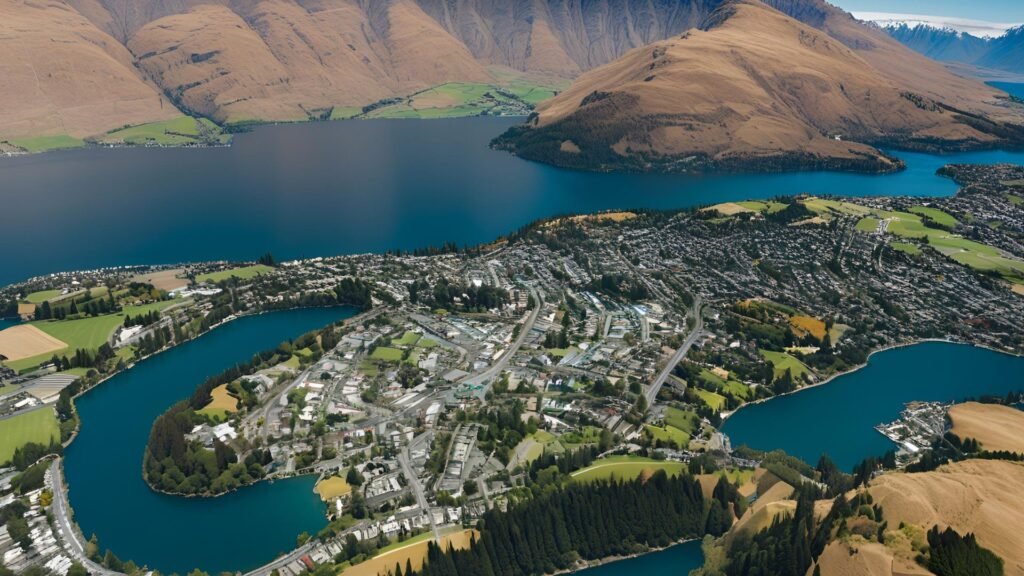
x=652, y=390
x=65, y=526
x=489, y=374
x=417, y=490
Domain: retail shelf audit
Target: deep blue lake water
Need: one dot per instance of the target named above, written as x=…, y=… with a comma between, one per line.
x=1013, y=88
x=677, y=561
x=838, y=418
x=344, y=187
x=103, y=466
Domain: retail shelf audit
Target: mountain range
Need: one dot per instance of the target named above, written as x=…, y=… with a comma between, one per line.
x=1001, y=53
x=766, y=86
x=796, y=76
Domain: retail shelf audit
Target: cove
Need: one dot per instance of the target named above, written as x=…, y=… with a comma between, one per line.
x=838, y=418
x=327, y=188
x=678, y=559
x=103, y=466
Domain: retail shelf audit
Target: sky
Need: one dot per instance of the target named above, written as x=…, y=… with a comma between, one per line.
x=978, y=17
x=992, y=10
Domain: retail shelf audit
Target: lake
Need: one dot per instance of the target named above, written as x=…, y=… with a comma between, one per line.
x=677, y=561
x=329, y=188
x=103, y=466
x=838, y=418
x=1012, y=88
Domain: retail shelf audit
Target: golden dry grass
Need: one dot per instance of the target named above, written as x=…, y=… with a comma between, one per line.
x=996, y=427
x=333, y=487
x=25, y=341
x=415, y=553
x=222, y=400
x=807, y=325
x=979, y=496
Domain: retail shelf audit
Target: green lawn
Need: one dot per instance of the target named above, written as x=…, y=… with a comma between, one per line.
x=867, y=224
x=408, y=339
x=667, y=433
x=781, y=361
x=85, y=333
x=45, y=143
x=387, y=354
x=37, y=426
x=345, y=112
x=905, y=247
x=625, y=467
x=769, y=206
x=719, y=384
x=1015, y=200
x=589, y=435
x=937, y=215
x=243, y=273
x=180, y=131
x=42, y=296
x=683, y=420
x=712, y=399
x=826, y=207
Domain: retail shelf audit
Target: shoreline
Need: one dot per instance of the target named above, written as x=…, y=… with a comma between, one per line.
x=588, y=564
x=885, y=348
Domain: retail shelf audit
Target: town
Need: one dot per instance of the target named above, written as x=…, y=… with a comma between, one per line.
x=620, y=341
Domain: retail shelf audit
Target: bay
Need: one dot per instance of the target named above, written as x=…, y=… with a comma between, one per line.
x=326, y=188
x=838, y=418
x=103, y=466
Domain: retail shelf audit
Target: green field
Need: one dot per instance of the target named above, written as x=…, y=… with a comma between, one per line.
x=768, y=206
x=904, y=247
x=1015, y=200
x=828, y=207
x=408, y=339
x=387, y=354
x=37, y=426
x=459, y=99
x=735, y=387
x=867, y=224
x=45, y=143
x=574, y=439
x=243, y=273
x=937, y=215
x=781, y=361
x=42, y=296
x=683, y=420
x=625, y=467
x=712, y=399
x=345, y=112
x=86, y=333
x=180, y=131
x=667, y=433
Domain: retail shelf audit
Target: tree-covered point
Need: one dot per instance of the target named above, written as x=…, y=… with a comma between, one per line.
x=172, y=463
x=580, y=522
x=952, y=554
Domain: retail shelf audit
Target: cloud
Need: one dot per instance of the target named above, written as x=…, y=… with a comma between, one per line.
x=979, y=28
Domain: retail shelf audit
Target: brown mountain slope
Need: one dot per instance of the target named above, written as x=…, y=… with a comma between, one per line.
x=979, y=496
x=277, y=60
x=995, y=426
x=754, y=89
x=59, y=74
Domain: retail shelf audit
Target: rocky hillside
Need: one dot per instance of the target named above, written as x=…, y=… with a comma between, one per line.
x=85, y=67
x=757, y=89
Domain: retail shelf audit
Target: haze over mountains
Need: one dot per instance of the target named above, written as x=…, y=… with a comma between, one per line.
x=1004, y=52
x=791, y=77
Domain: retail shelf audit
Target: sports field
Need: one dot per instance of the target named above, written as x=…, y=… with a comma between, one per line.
x=408, y=339
x=37, y=426
x=387, y=354
x=625, y=467
x=243, y=273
